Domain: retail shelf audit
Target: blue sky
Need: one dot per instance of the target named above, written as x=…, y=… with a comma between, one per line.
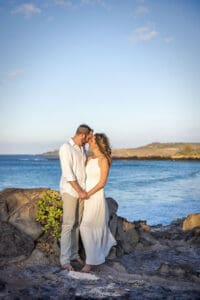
x=128, y=68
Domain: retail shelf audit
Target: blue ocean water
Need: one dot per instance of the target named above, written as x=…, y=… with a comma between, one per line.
x=156, y=191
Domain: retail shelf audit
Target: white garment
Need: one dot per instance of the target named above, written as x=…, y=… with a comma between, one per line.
x=72, y=161
x=95, y=233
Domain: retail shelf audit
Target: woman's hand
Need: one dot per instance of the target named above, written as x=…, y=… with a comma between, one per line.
x=83, y=195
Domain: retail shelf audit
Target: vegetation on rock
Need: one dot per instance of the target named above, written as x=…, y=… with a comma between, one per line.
x=49, y=213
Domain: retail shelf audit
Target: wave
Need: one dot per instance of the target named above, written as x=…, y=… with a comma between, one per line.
x=169, y=179
x=31, y=159
x=36, y=159
x=24, y=159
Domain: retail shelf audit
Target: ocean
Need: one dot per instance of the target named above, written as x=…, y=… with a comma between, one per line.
x=152, y=190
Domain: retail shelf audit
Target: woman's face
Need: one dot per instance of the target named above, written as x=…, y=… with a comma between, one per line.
x=92, y=142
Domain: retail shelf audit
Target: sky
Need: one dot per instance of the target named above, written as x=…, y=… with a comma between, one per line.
x=128, y=68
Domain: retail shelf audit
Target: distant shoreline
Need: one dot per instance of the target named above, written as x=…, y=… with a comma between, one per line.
x=157, y=158
x=144, y=158
x=154, y=151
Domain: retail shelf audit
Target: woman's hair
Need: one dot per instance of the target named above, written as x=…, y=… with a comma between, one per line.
x=104, y=145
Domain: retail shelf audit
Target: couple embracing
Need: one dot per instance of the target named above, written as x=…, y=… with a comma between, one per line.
x=85, y=209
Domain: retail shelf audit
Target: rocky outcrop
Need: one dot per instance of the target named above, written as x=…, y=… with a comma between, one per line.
x=192, y=221
x=18, y=207
x=26, y=246
x=14, y=245
x=159, y=262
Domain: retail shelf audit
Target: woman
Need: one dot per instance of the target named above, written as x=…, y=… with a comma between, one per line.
x=96, y=236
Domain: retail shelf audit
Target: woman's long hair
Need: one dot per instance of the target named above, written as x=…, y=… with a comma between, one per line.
x=104, y=145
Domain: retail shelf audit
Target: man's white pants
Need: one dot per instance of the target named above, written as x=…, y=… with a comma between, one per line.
x=72, y=215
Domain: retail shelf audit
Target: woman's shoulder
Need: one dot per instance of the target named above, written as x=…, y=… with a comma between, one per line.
x=102, y=160
x=102, y=157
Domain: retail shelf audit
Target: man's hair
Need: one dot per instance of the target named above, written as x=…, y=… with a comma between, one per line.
x=84, y=129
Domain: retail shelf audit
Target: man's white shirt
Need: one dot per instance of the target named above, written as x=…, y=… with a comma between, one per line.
x=72, y=161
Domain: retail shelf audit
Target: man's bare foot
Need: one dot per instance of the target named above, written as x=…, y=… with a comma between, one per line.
x=68, y=267
x=86, y=269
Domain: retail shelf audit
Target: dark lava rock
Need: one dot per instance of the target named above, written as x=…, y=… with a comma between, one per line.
x=13, y=243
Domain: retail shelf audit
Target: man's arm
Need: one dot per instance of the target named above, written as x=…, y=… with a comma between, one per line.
x=82, y=194
x=67, y=171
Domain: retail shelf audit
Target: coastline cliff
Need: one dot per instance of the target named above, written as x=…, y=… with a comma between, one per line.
x=173, y=151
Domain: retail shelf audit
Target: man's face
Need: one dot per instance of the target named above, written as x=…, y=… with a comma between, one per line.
x=88, y=137
x=84, y=138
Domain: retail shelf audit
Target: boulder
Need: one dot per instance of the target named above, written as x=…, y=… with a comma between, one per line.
x=14, y=245
x=19, y=207
x=126, y=235
x=191, y=221
x=37, y=257
x=24, y=220
x=112, y=208
x=50, y=248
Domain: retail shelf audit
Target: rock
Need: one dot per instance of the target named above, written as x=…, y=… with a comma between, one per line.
x=21, y=207
x=16, y=198
x=103, y=291
x=36, y=258
x=126, y=235
x=142, y=225
x=50, y=248
x=2, y=285
x=3, y=208
x=146, y=239
x=180, y=271
x=148, y=263
x=25, y=222
x=112, y=206
x=81, y=275
x=192, y=221
x=193, y=236
x=113, y=223
x=14, y=245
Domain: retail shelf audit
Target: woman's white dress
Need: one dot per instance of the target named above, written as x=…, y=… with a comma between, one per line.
x=95, y=233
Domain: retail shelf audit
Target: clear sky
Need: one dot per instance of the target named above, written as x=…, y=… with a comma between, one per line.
x=129, y=68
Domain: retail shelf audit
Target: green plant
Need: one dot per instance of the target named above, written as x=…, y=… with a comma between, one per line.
x=49, y=212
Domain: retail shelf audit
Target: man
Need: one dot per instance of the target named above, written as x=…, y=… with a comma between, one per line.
x=72, y=188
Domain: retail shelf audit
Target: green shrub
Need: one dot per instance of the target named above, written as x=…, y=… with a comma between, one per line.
x=49, y=213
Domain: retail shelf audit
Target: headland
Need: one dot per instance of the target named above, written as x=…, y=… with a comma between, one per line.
x=153, y=151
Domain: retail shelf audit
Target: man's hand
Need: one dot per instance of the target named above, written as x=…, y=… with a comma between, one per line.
x=83, y=195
